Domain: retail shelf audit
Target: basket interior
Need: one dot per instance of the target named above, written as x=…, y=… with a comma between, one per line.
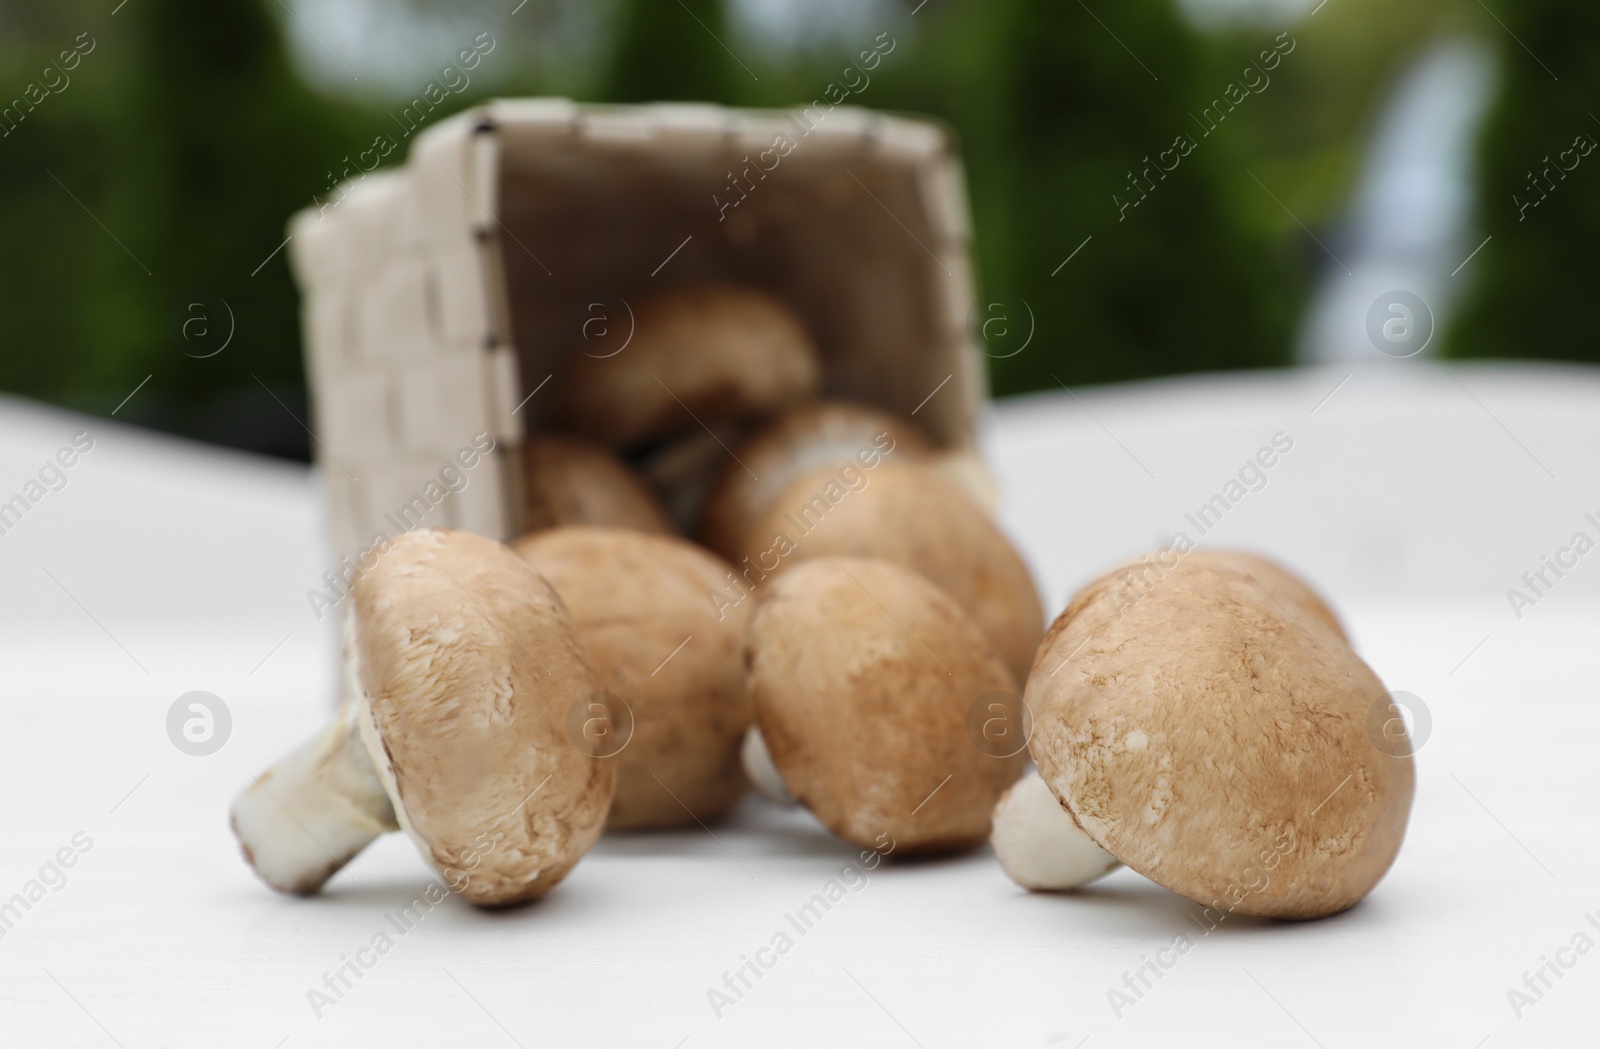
x=839, y=233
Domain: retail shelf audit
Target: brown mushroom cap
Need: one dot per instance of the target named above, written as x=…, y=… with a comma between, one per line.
x=910, y=514
x=644, y=613
x=469, y=663
x=716, y=351
x=1301, y=602
x=864, y=676
x=568, y=481
x=824, y=433
x=1216, y=746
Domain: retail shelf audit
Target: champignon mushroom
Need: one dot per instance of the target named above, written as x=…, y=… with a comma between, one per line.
x=642, y=607
x=701, y=353
x=1039, y=844
x=461, y=664
x=758, y=766
x=1132, y=581
x=965, y=468
x=863, y=675
x=822, y=434
x=567, y=481
x=684, y=468
x=1217, y=744
x=1288, y=589
x=910, y=514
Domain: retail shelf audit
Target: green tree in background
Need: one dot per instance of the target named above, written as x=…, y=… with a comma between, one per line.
x=1177, y=277
x=186, y=133
x=1539, y=191
x=190, y=135
x=668, y=50
x=1053, y=115
x=229, y=143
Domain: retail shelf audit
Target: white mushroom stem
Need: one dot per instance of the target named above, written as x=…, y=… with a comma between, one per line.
x=763, y=774
x=312, y=812
x=1040, y=845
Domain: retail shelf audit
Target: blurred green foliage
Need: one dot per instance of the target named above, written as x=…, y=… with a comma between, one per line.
x=1080, y=116
x=1540, y=197
x=165, y=170
x=669, y=52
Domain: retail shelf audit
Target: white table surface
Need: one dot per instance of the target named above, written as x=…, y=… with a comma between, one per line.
x=1414, y=496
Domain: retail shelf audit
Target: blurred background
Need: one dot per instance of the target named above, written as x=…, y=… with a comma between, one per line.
x=151, y=152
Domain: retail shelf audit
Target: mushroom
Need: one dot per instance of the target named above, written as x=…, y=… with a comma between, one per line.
x=764, y=776
x=1301, y=602
x=965, y=468
x=460, y=666
x=1133, y=580
x=912, y=515
x=694, y=355
x=864, y=676
x=571, y=481
x=1039, y=844
x=1217, y=743
x=684, y=468
x=643, y=614
x=821, y=434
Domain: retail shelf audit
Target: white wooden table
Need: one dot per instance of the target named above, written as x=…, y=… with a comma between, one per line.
x=1413, y=496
